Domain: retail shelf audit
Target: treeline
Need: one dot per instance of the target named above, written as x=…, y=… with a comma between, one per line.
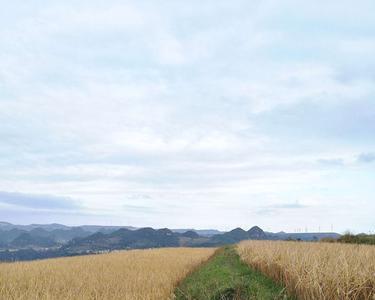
x=358, y=238
x=349, y=238
x=32, y=254
x=27, y=254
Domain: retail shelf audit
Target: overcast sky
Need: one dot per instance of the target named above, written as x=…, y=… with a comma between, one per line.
x=205, y=114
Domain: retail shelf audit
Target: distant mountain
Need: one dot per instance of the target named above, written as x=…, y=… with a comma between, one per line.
x=64, y=236
x=124, y=239
x=38, y=237
x=54, y=240
x=256, y=233
x=236, y=235
x=190, y=234
x=201, y=232
x=137, y=239
x=58, y=233
x=7, y=236
x=48, y=227
x=29, y=240
x=40, y=232
x=233, y=236
x=104, y=229
x=95, y=228
x=6, y=226
x=55, y=226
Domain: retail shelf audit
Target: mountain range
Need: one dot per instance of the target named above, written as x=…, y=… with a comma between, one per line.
x=20, y=242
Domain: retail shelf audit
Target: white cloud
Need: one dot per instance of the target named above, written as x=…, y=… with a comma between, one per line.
x=210, y=109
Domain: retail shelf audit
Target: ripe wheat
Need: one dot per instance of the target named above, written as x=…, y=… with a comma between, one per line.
x=136, y=274
x=315, y=270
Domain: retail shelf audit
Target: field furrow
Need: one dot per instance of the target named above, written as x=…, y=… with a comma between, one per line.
x=226, y=277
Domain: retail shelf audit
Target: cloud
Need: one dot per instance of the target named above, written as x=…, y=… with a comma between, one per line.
x=331, y=161
x=43, y=202
x=366, y=157
x=278, y=208
x=187, y=107
x=139, y=208
x=289, y=205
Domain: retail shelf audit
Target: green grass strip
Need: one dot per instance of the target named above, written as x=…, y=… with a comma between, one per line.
x=226, y=277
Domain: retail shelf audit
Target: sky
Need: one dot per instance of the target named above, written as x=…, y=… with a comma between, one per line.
x=188, y=114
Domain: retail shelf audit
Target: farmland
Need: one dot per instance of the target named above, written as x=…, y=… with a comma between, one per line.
x=135, y=274
x=315, y=270
x=252, y=269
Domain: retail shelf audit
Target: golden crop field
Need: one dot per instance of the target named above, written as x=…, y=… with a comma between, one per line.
x=315, y=270
x=135, y=274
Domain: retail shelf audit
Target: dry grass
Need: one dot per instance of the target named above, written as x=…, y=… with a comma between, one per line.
x=136, y=274
x=315, y=270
